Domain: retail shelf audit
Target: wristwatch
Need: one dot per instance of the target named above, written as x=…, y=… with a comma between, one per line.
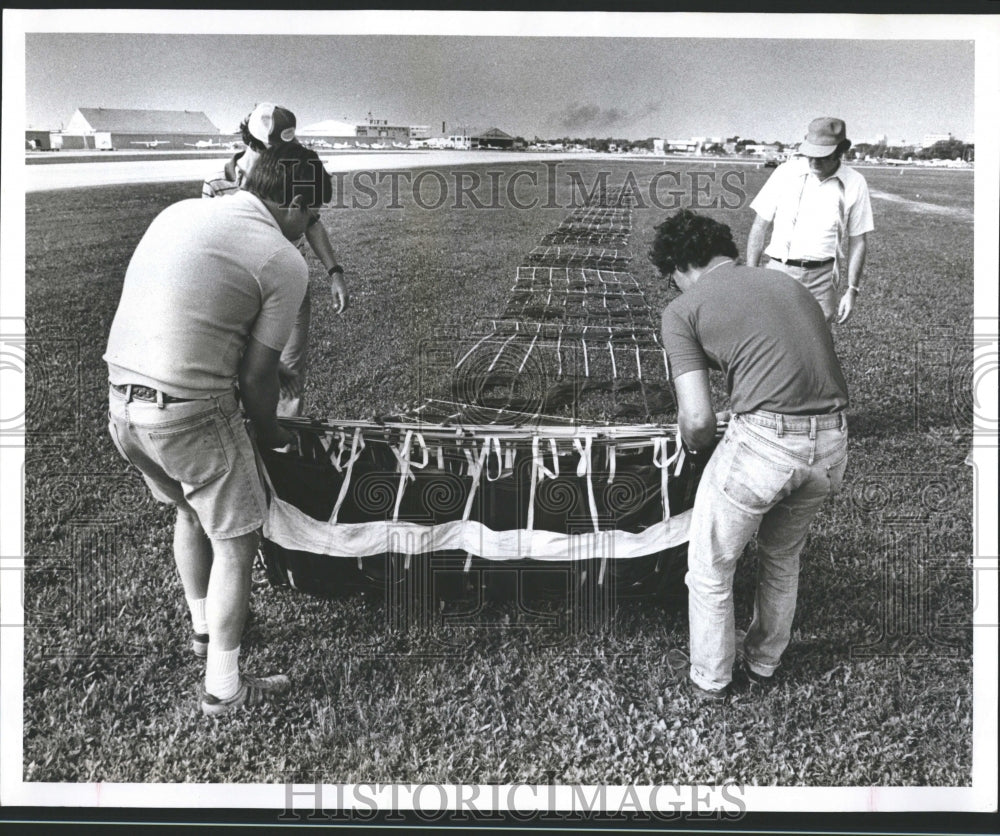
x=335, y=269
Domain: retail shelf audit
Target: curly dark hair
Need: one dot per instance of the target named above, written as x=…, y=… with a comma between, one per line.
x=687, y=239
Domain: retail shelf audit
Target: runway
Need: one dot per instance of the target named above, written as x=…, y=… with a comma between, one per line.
x=84, y=171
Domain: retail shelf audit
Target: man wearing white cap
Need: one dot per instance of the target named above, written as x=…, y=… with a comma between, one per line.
x=817, y=212
x=269, y=125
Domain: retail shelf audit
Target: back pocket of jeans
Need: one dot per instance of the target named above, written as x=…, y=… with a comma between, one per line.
x=116, y=440
x=835, y=473
x=753, y=483
x=194, y=455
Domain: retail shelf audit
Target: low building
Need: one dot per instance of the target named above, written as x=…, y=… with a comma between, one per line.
x=492, y=138
x=379, y=131
x=103, y=128
x=681, y=146
x=330, y=133
x=763, y=149
x=42, y=140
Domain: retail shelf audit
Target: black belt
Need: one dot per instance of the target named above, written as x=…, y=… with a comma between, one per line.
x=144, y=393
x=808, y=265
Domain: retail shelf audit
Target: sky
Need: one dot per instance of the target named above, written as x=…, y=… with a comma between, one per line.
x=671, y=87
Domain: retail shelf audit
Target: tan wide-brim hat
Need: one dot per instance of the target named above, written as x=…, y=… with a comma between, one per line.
x=824, y=137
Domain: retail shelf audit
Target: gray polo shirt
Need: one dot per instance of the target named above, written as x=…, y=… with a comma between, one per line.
x=765, y=332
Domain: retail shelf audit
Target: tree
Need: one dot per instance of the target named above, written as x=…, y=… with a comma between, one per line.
x=946, y=149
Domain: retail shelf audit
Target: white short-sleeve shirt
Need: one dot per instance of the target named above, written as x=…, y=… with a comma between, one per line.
x=807, y=212
x=206, y=276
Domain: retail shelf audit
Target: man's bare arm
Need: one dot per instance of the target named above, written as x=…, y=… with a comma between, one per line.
x=695, y=416
x=857, y=250
x=258, y=377
x=320, y=242
x=757, y=240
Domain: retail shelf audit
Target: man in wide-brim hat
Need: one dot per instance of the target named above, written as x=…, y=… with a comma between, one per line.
x=818, y=214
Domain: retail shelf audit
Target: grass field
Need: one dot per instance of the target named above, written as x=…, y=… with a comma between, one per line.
x=877, y=687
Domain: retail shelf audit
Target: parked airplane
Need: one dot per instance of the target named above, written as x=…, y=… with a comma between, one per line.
x=399, y=145
x=340, y=146
x=151, y=143
x=320, y=143
x=203, y=143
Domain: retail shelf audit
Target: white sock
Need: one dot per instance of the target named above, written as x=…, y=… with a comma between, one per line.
x=198, y=619
x=222, y=672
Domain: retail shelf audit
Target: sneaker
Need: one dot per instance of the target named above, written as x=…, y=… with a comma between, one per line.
x=743, y=672
x=710, y=696
x=751, y=678
x=680, y=669
x=258, y=572
x=199, y=645
x=253, y=691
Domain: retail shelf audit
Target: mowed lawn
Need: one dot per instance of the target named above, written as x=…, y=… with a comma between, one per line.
x=877, y=683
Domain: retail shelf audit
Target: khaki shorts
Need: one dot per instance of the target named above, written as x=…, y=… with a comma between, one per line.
x=194, y=453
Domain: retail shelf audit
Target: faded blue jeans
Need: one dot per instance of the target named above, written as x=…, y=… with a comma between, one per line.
x=769, y=475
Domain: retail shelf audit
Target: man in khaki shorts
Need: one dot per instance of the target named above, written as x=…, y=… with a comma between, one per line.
x=209, y=300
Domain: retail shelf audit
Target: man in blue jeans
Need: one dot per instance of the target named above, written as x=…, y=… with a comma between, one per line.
x=783, y=453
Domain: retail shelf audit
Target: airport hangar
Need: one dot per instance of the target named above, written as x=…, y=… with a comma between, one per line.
x=107, y=129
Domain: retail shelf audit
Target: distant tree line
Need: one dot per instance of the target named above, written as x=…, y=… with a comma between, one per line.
x=946, y=149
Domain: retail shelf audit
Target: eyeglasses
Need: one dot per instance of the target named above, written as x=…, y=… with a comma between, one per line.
x=671, y=283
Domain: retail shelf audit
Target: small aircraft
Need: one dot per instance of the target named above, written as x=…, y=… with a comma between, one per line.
x=340, y=146
x=320, y=143
x=203, y=143
x=377, y=146
x=151, y=143
x=400, y=145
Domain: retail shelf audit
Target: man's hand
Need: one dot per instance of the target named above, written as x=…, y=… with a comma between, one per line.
x=289, y=383
x=846, y=306
x=338, y=289
x=281, y=440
